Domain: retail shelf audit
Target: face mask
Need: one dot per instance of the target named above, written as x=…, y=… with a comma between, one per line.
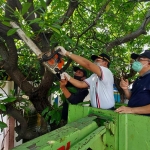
x=97, y=63
x=137, y=66
x=77, y=78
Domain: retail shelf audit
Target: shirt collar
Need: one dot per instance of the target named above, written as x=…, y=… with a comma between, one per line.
x=146, y=73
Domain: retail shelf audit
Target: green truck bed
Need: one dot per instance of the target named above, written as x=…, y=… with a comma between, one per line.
x=95, y=129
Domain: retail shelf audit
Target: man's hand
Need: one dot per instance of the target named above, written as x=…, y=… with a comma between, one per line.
x=62, y=52
x=124, y=84
x=124, y=109
x=65, y=75
x=63, y=83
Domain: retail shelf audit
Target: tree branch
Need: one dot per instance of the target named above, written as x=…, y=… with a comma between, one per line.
x=16, y=115
x=71, y=8
x=48, y=2
x=101, y=11
x=131, y=36
x=11, y=7
x=3, y=51
x=27, y=17
x=138, y=0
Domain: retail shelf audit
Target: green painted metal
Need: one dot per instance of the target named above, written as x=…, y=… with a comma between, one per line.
x=107, y=118
x=96, y=129
x=92, y=140
x=134, y=132
x=72, y=132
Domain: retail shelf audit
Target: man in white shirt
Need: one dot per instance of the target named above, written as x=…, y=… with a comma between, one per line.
x=100, y=82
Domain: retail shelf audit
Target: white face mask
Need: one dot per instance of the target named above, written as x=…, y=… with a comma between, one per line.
x=97, y=63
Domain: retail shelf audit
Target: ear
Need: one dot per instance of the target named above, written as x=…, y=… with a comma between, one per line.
x=106, y=64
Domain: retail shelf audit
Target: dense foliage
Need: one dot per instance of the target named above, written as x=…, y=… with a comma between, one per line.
x=84, y=27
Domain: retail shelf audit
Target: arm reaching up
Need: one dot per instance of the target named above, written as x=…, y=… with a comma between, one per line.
x=81, y=60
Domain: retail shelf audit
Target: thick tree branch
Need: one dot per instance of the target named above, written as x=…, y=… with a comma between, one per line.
x=48, y=2
x=17, y=116
x=12, y=51
x=3, y=51
x=11, y=66
x=27, y=17
x=131, y=36
x=146, y=21
x=11, y=6
x=71, y=8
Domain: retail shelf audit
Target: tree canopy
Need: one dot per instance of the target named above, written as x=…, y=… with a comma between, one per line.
x=85, y=27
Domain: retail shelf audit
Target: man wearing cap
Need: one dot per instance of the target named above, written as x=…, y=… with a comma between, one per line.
x=139, y=96
x=77, y=95
x=100, y=83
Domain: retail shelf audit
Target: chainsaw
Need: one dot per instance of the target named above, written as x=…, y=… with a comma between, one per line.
x=52, y=61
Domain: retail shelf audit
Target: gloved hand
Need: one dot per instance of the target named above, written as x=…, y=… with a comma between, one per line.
x=62, y=52
x=65, y=75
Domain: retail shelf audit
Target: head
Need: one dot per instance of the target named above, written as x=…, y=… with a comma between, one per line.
x=103, y=60
x=141, y=62
x=80, y=74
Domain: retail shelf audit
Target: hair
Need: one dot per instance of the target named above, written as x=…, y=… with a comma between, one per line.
x=108, y=63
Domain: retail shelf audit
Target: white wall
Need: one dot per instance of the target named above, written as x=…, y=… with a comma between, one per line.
x=4, y=134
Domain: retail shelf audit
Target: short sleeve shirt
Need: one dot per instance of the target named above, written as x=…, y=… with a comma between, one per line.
x=140, y=92
x=101, y=89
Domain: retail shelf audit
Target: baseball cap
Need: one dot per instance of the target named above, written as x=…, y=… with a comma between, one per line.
x=75, y=68
x=145, y=54
x=102, y=56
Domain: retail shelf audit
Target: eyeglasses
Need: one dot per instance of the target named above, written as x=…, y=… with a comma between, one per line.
x=142, y=59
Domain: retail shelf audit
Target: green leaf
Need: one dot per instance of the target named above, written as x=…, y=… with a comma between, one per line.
x=43, y=4
x=51, y=113
x=55, y=30
x=37, y=20
x=6, y=23
x=9, y=99
x=11, y=31
x=3, y=125
x=45, y=111
x=47, y=117
x=52, y=120
x=63, y=98
x=2, y=107
x=25, y=7
x=2, y=84
x=53, y=89
x=72, y=89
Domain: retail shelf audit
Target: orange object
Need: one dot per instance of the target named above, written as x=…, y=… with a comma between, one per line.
x=54, y=60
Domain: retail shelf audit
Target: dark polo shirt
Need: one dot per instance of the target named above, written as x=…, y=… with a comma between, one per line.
x=140, y=95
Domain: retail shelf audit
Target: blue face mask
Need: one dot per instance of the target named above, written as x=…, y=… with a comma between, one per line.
x=137, y=66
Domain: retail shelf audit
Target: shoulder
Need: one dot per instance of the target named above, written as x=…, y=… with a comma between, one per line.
x=105, y=68
x=106, y=71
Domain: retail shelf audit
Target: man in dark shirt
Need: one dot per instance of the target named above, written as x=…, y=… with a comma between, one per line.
x=139, y=96
x=77, y=95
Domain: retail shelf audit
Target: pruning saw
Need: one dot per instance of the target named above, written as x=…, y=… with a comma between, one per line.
x=52, y=61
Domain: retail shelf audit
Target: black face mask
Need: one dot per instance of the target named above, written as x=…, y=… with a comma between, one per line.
x=78, y=78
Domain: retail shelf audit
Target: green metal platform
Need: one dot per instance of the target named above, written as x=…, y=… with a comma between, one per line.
x=95, y=129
